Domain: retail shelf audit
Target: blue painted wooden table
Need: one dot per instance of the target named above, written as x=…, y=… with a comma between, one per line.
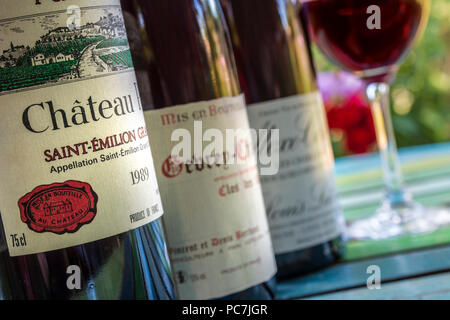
x=411, y=267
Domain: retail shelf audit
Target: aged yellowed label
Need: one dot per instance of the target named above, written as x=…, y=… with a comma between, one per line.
x=75, y=160
x=301, y=200
x=215, y=221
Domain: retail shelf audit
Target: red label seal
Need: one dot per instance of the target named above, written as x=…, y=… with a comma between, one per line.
x=59, y=207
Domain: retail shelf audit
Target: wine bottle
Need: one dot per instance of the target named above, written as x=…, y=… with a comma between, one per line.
x=79, y=200
x=276, y=72
x=217, y=232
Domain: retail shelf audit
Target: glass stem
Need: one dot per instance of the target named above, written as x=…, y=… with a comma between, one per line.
x=378, y=95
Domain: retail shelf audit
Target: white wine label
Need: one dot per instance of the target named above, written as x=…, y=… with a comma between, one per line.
x=215, y=220
x=75, y=160
x=301, y=200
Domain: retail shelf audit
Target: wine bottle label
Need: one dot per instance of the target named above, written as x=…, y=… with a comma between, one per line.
x=75, y=160
x=215, y=220
x=301, y=200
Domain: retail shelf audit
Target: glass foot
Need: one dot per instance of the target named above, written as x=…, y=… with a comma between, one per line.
x=441, y=215
x=395, y=220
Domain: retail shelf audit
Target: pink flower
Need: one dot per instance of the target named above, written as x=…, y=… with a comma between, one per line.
x=338, y=86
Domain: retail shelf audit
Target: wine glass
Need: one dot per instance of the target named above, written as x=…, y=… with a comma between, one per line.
x=370, y=38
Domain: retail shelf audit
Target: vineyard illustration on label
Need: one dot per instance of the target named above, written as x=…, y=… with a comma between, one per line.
x=42, y=50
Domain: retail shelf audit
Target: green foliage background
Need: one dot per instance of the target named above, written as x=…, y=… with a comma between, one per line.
x=421, y=92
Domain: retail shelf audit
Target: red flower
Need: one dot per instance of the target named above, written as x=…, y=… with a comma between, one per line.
x=348, y=111
x=360, y=139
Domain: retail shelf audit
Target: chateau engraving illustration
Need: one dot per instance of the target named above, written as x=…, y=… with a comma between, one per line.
x=43, y=51
x=59, y=207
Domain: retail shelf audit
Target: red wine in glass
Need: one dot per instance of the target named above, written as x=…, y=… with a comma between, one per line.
x=341, y=30
x=371, y=38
